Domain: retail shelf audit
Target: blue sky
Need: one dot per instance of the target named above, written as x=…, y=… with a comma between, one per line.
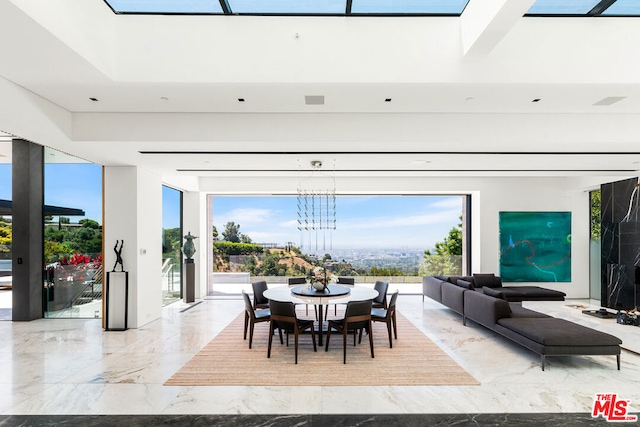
x=76, y=186
x=362, y=221
x=79, y=185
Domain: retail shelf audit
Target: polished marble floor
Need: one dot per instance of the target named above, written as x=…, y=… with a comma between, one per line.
x=73, y=367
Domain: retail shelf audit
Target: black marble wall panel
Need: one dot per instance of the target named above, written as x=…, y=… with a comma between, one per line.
x=620, y=244
x=609, y=255
x=620, y=287
x=606, y=200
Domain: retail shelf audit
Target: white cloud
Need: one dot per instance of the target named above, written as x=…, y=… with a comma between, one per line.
x=245, y=217
x=404, y=220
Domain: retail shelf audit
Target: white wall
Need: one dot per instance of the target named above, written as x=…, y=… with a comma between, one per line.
x=133, y=213
x=194, y=220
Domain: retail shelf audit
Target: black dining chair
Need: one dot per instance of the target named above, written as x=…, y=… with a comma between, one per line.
x=349, y=282
x=357, y=317
x=283, y=317
x=388, y=316
x=295, y=281
x=381, y=300
x=252, y=316
x=259, y=300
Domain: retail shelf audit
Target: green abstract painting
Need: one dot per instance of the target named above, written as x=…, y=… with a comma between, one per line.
x=535, y=246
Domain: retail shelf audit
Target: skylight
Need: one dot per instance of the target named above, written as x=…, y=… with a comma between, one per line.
x=624, y=8
x=585, y=8
x=165, y=6
x=290, y=7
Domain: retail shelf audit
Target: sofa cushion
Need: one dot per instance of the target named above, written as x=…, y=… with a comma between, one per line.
x=453, y=297
x=431, y=287
x=494, y=292
x=464, y=284
x=488, y=280
x=517, y=310
x=551, y=331
x=538, y=293
x=454, y=279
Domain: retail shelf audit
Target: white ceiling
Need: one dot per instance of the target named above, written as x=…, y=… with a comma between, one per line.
x=462, y=91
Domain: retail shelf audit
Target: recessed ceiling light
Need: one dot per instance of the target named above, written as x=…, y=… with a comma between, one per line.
x=387, y=100
x=314, y=99
x=609, y=100
x=240, y=99
x=94, y=99
x=536, y=100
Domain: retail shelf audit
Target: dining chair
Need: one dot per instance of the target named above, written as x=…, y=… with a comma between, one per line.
x=252, y=316
x=259, y=300
x=388, y=316
x=349, y=282
x=357, y=317
x=294, y=281
x=381, y=300
x=283, y=317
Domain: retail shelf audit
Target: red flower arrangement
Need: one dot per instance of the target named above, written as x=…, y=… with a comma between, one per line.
x=77, y=259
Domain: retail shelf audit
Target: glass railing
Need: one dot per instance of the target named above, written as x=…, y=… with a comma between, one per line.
x=441, y=265
x=73, y=286
x=171, y=282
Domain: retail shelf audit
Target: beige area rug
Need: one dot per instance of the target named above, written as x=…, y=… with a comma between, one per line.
x=413, y=360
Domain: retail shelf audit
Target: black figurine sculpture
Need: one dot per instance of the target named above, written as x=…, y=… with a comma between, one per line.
x=118, y=255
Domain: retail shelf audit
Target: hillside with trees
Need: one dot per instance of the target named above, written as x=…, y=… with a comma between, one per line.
x=446, y=258
x=236, y=252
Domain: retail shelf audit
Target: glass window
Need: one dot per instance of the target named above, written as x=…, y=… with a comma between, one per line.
x=288, y=6
x=624, y=7
x=409, y=6
x=562, y=7
x=6, y=236
x=72, y=236
x=165, y=6
x=595, y=275
x=171, y=245
x=397, y=239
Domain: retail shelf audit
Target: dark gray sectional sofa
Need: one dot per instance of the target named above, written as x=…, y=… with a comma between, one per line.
x=543, y=334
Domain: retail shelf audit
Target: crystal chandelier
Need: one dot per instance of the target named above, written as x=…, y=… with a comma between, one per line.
x=316, y=201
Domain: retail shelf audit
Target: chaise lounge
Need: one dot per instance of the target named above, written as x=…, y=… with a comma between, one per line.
x=543, y=334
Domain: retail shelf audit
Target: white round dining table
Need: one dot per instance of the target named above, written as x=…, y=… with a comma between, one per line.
x=284, y=294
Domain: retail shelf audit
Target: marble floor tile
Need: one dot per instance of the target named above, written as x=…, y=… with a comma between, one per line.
x=72, y=367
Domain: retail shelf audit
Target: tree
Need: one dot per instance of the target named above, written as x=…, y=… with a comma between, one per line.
x=89, y=223
x=446, y=257
x=244, y=238
x=5, y=233
x=214, y=233
x=270, y=266
x=231, y=232
x=596, y=221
